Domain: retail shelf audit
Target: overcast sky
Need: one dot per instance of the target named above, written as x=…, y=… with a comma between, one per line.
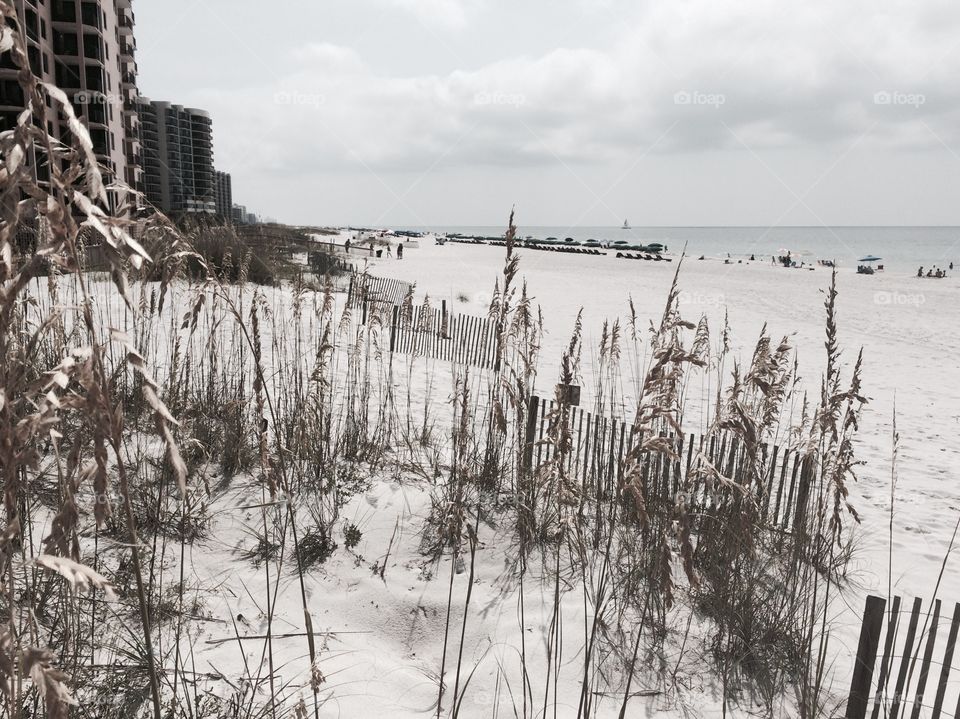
x=579, y=112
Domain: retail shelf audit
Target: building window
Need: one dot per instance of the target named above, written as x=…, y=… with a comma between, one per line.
x=94, y=78
x=12, y=93
x=36, y=61
x=93, y=47
x=68, y=76
x=90, y=14
x=64, y=11
x=96, y=112
x=65, y=43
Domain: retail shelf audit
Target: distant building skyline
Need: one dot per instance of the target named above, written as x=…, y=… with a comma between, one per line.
x=88, y=49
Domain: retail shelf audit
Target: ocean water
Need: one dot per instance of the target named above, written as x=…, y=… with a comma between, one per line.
x=902, y=248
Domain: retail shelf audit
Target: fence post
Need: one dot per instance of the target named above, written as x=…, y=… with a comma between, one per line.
x=803, y=495
x=393, y=327
x=533, y=409
x=866, y=658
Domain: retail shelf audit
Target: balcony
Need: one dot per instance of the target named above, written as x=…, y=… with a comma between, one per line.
x=125, y=22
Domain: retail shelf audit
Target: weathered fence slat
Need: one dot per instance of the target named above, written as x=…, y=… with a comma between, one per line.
x=927, y=657
x=866, y=658
x=907, y=652
x=947, y=661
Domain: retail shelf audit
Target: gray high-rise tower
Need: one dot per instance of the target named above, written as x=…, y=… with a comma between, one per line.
x=177, y=147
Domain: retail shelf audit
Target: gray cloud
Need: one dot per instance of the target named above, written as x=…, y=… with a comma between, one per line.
x=674, y=78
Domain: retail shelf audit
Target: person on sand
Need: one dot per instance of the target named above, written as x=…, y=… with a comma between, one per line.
x=400, y=251
x=346, y=246
x=371, y=248
x=951, y=265
x=920, y=271
x=389, y=251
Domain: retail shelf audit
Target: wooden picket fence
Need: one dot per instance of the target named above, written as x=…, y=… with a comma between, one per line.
x=436, y=333
x=424, y=330
x=366, y=288
x=600, y=446
x=915, y=663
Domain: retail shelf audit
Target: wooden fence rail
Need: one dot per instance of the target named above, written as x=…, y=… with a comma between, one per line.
x=909, y=677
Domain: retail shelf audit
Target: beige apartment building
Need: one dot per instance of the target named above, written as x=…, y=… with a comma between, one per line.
x=87, y=48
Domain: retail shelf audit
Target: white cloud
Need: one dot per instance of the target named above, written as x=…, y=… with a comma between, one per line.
x=689, y=77
x=444, y=13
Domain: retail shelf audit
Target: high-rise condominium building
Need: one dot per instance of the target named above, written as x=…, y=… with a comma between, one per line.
x=87, y=48
x=225, y=195
x=177, y=147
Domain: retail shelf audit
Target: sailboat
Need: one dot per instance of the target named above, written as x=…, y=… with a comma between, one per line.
x=626, y=224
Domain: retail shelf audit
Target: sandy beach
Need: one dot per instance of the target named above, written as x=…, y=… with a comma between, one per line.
x=910, y=342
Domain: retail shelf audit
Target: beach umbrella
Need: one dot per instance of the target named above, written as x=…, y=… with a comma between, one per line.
x=870, y=258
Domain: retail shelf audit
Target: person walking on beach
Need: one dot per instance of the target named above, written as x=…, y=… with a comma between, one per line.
x=920, y=272
x=346, y=246
x=400, y=251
